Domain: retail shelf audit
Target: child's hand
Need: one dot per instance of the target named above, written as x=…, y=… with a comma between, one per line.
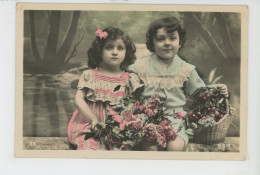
x=94, y=122
x=223, y=89
x=96, y=128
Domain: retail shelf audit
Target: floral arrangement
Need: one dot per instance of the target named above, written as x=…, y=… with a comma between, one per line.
x=207, y=109
x=135, y=121
x=157, y=127
x=121, y=130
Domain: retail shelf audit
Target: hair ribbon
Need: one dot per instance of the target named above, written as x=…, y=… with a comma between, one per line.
x=101, y=34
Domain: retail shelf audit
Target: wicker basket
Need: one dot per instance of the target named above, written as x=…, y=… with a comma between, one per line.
x=215, y=133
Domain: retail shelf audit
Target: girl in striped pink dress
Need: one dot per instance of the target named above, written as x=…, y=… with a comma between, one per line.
x=103, y=85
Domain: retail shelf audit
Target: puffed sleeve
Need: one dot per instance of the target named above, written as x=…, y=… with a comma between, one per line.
x=135, y=83
x=194, y=82
x=131, y=68
x=85, y=80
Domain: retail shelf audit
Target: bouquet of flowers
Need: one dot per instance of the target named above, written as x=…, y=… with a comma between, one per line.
x=157, y=128
x=121, y=130
x=134, y=121
x=208, y=109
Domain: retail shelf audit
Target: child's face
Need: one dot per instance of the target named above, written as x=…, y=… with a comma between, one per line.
x=166, y=45
x=113, y=53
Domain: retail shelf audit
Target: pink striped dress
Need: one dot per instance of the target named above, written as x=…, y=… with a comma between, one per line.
x=102, y=92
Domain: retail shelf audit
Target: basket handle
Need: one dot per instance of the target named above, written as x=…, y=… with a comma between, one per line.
x=227, y=105
x=227, y=110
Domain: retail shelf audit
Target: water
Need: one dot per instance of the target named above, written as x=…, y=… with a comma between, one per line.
x=48, y=105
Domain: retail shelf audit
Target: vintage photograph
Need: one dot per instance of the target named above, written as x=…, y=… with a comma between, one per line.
x=131, y=81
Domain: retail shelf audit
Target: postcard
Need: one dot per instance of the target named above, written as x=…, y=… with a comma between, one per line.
x=131, y=81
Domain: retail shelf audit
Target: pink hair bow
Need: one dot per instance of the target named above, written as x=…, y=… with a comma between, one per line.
x=101, y=34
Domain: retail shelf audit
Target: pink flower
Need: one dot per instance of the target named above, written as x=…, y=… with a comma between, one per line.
x=165, y=129
x=162, y=141
x=150, y=132
x=111, y=112
x=137, y=124
x=128, y=115
x=179, y=115
x=142, y=107
x=150, y=127
x=138, y=116
x=153, y=102
x=101, y=34
x=117, y=118
x=170, y=134
x=122, y=125
x=164, y=122
x=149, y=112
x=123, y=146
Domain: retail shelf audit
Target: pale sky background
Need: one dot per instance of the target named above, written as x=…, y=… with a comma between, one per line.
x=10, y=165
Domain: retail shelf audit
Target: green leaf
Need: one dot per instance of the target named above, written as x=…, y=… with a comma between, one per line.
x=103, y=124
x=130, y=106
x=211, y=75
x=163, y=108
x=132, y=143
x=194, y=125
x=200, y=122
x=190, y=131
x=217, y=79
x=221, y=100
x=116, y=130
x=121, y=135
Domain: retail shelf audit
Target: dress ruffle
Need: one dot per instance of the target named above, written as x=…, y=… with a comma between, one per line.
x=106, y=88
x=167, y=82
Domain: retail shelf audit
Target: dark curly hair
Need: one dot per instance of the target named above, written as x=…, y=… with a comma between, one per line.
x=171, y=24
x=95, y=52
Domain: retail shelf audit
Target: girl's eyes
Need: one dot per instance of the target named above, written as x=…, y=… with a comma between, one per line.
x=112, y=47
x=162, y=38
x=173, y=38
x=121, y=48
x=109, y=48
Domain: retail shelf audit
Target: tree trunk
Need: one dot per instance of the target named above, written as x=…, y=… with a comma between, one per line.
x=64, y=49
x=49, y=54
x=33, y=38
x=187, y=23
x=227, y=41
x=205, y=33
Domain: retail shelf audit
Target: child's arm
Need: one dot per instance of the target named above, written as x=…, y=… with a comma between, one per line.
x=195, y=82
x=84, y=109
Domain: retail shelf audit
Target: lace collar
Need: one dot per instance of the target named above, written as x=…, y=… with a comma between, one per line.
x=172, y=69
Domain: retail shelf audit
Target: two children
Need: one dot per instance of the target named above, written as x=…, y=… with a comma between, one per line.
x=163, y=73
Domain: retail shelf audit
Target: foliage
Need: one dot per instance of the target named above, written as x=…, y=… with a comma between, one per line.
x=157, y=126
x=132, y=122
x=212, y=78
x=208, y=108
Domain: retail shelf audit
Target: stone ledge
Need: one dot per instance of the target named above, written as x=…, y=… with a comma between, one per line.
x=231, y=144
